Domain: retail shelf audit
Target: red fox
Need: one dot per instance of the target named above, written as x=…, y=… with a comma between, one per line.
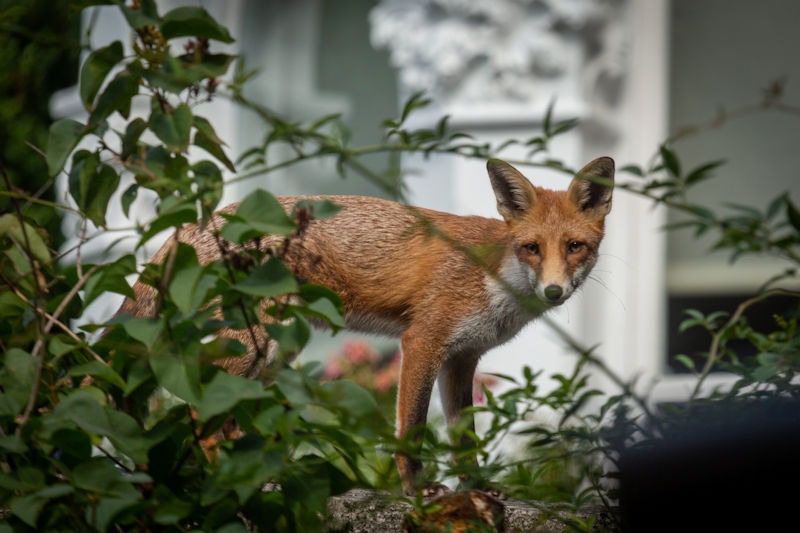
x=451, y=287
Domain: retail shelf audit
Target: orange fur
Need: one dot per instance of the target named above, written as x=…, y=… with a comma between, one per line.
x=448, y=285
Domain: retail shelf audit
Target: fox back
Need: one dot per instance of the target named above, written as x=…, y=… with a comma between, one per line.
x=451, y=287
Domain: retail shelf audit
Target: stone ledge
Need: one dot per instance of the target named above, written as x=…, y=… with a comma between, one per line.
x=369, y=511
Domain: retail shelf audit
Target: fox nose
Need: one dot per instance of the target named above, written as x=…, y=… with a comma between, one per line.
x=553, y=292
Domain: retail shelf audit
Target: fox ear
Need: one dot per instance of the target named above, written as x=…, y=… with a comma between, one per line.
x=591, y=187
x=514, y=193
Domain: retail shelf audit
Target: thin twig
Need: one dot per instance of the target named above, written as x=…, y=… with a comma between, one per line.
x=39, y=292
x=38, y=347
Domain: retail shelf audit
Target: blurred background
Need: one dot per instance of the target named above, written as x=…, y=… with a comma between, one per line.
x=633, y=72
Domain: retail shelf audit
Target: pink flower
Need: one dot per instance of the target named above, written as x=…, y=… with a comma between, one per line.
x=388, y=375
x=333, y=368
x=359, y=352
x=479, y=381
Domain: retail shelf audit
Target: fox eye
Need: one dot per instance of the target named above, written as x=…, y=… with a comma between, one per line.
x=575, y=247
x=532, y=248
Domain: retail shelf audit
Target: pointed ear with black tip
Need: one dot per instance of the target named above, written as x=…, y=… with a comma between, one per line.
x=514, y=193
x=591, y=187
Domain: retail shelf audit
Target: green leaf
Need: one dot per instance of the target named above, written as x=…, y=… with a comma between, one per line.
x=104, y=513
x=171, y=76
x=99, y=475
x=269, y=280
x=128, y=197
x=750, y=212
x=210, y=144
x=16, y=381
x=59, y=346
x=565, y=125
x=11, y=306
x=24, y=479
x=265, y=214
x=311, y=292
x=548, y=118
x=319, y=208
x=636, y=170
x=171, y=173
x=291, y=335
x=697, y=318
x=775, y=205
x=145, y=15
x=130, y=139
x=144, y=330
x=209, y=181
x=111, y=278
x=26, y=237
x=769, y=359
x=84, y=166
x=83, y=408
x=327, y=311
x=95, y=69
x=245, y=472
x=27, y=508
x=764, y=372
x=193, y=22
x=177, y=375
x=91, y=184
x=179, y=73
x=189, y=287
x=702, y=172
x=114, y=491
x=189, y=284
x=209, y=65
x=317, y=124
x=350, y=397
x=13, y=444
x=173, y=127
x=792, y=214
x=670, y=161
x=416, y=101
x=292, y=385
x=225, y=391
x=117, y=96
x=139, y=374
x=74, y=445
x=64, y=137
x=204, y=126
x=269, y=418
x=700, y=211
x=171, y=215
x=259, y=214
x=99, y=371
x=686, y=361
x=313, y=481
x=170, y=509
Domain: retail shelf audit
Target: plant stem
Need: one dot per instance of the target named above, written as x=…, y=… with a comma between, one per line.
x=714, y=354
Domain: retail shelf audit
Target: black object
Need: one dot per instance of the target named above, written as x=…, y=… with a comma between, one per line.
x=731, y=468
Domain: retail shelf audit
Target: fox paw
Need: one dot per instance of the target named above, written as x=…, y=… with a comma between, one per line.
x=485, y=487
x=458, y=511
x=434, y=490
x=494, y=493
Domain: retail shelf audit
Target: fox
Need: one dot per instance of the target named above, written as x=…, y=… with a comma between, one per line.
x=450, y=287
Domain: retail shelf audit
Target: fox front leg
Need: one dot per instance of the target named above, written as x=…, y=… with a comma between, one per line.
x=420, y=364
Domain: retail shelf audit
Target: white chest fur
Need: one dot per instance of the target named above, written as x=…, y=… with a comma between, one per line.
x=504, y=314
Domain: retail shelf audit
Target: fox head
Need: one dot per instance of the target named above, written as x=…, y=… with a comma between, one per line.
x=555, y=235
